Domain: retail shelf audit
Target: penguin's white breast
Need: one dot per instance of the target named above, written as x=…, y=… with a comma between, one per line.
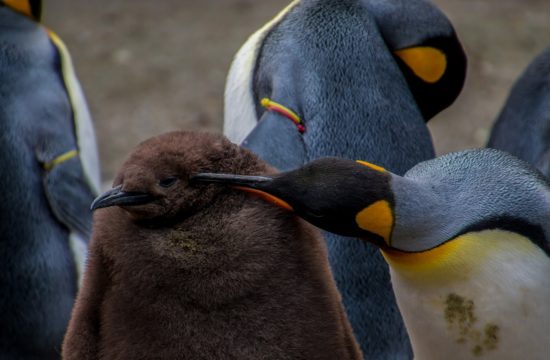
x=486, y=298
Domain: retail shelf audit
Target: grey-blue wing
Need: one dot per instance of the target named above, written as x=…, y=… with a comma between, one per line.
x=70, y=196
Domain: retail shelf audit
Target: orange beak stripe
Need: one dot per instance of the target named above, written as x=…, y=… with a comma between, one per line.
x=267, y=197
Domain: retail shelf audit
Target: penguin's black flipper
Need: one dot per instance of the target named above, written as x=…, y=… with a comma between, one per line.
x=277, y=139
x=69, y=196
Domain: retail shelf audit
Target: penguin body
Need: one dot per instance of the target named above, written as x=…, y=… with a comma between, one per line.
x=178, y=271
x=362, y=77
x=46, y=187
x=483, y=283
x=466, y=236
x=523, y=126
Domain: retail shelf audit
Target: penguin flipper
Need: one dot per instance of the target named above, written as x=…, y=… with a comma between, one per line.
x=277, y=141
x=70, y=196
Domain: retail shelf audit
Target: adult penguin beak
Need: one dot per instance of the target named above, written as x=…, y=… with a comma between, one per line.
x=338, y=195
x=256, y=182
x=257, y=185
x=117, y=197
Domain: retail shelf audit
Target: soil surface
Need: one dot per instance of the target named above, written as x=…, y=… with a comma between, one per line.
x=153, y=66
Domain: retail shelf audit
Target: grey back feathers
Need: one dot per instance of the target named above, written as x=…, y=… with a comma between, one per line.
x=45, y=193
x=468, y=191
x=523, y=126
x=204, y=272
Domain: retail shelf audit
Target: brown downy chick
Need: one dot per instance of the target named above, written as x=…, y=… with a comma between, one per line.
x=180, y=271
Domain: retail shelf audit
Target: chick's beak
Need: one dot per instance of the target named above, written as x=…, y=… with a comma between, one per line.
x=117, y=197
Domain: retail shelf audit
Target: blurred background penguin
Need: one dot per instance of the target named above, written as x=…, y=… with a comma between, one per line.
x=523, y=125
x=50, y=174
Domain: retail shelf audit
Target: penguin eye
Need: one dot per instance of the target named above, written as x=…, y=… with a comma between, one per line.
x=167, y=182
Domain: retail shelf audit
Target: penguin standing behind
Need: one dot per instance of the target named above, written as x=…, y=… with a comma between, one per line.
x=523, y=126
x=355, y=79
x=466, y=236
x=50, y=175
x=201, y=272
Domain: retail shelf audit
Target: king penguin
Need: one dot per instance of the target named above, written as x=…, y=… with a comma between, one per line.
x=523, y=126
x=355, y=79
x=183, y=271
x=466, y=236
x=50, y=174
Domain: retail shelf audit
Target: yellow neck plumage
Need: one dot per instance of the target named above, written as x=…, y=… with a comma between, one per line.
x=458, y=258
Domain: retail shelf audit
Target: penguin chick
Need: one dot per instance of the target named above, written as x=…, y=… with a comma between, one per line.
x=201, y=272
x=50, y=174
x=523, y=126
x=466, y=236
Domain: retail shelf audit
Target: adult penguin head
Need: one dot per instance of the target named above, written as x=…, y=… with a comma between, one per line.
x=347, y=61
x=435, y=202
x=426, y=48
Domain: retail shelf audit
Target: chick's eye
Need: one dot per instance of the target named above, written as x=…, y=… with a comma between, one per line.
x=167, y=182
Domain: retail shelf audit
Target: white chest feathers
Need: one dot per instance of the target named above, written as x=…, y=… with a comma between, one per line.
x=483, y=295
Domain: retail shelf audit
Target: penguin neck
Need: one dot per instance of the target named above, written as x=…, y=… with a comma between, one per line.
x=483, y=294
x=422, y=219
x=430, y=211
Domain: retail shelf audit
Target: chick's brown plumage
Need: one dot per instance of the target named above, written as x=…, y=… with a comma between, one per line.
x=204, y=272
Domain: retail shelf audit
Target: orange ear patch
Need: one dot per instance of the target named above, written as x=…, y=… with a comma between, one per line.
x=267, y=197
x=426, y=62
x=377, y=218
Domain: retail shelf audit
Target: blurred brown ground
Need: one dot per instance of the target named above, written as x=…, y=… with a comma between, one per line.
x=152, y=66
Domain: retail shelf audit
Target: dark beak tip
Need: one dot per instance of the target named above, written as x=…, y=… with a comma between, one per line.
x=95, y=205
x=98, y=203
x=117, y=197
